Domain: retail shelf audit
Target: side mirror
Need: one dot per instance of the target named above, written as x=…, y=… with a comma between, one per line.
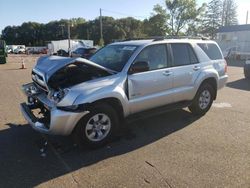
x=139, y=66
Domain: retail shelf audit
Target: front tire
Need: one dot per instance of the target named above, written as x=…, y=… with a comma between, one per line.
x=98, y=127
x=203, y=100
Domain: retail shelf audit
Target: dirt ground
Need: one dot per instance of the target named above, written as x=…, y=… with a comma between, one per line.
x=174, y=149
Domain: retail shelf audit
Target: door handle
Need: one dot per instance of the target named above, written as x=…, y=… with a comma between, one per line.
x=196, y=68
x=167, y=73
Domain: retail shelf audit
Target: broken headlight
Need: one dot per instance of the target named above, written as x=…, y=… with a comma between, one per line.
x=31, y=89
x=57, y=96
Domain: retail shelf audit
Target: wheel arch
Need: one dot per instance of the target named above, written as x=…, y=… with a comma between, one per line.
x=112, y=101
x=211, y=81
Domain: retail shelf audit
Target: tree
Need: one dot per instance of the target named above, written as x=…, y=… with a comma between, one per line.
x=212, y=18
x=179, y=15
x=130, y=27
x=195, y=26
x=182, y=13
x=156, y=24
x=229, y=13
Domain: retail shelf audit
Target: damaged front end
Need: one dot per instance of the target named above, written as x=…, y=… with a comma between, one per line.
x=44, y=116
x=37, y=107
x=53, y=79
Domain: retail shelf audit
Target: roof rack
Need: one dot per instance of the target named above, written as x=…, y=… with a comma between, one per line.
x=159, y=38
x=182, y=37
x=141, y=38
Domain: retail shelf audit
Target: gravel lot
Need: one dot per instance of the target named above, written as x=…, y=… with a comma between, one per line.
x=174, y=149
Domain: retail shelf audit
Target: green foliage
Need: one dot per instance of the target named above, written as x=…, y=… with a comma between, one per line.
x=156, y=25
x=212, y=18
x=195, y=26
x=35, y=34
x=182, y=13
x=177, y=18
x=229, y=14
x=218, y=13
x=101, y=43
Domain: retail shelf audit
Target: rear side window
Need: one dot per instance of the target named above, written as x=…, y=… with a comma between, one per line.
x=183, y=54
x=211, y=50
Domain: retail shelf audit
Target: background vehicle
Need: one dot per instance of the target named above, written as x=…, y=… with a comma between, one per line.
x=91, y=98
x=247, y=69
x=36, y=50
x=8, y=49
x=83, y=52
x=62, y=52
x=236, y=52
x=55, y=46
x=3, y=53
x=20, y=50
x=230, y=52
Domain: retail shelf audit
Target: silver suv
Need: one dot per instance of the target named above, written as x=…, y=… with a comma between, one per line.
x=91, y=98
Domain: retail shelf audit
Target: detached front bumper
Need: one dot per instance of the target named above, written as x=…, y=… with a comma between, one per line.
x=55, y=121
x=61, y=122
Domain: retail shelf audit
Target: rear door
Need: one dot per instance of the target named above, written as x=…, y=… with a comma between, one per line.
x=186, y=69
x=151, y=88
x=216, y=60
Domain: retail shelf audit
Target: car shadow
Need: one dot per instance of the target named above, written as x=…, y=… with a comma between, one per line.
x=242, y=84
x=28, y=158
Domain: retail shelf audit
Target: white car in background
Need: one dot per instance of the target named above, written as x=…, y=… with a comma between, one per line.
x=230, y=52
x=20, y=50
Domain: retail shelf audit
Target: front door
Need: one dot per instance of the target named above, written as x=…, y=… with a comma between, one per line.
x=151, y=88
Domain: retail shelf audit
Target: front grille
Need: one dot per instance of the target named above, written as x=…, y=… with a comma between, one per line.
x=38, y=76
x=40, y=86
x=38, y=80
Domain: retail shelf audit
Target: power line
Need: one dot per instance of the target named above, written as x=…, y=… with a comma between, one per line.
x=124, y=14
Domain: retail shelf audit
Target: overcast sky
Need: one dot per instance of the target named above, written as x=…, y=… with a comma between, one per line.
x=15, y=12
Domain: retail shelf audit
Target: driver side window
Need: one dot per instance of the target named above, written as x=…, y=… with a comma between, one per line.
x=155, y=55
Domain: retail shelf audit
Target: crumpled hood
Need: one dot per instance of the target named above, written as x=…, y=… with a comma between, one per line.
x=92, y=88
x=50, y=64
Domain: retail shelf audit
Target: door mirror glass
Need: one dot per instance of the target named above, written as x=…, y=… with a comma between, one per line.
x=139, y=66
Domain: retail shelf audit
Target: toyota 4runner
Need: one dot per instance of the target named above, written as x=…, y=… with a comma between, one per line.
x=91, y=98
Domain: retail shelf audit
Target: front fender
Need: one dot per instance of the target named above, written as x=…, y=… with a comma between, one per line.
x=104, y=93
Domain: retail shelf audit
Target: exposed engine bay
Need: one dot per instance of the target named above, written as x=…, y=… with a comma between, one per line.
x=73, y=74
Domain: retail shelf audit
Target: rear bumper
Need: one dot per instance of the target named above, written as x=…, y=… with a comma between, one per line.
x=61, y=122
x=222, y=81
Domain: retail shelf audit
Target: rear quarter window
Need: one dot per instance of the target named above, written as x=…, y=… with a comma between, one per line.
x=211, y=50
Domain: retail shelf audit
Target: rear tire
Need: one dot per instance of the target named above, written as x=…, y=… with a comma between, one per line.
x=98, y=127
x=203, y=100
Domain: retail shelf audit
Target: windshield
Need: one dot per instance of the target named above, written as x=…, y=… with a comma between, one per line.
x=114, y=57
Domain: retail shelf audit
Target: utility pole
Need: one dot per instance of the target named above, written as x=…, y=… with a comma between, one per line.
x=87, y=34
x=101, y=36
x=247, y=18
x=62, y=27
x=69, y=37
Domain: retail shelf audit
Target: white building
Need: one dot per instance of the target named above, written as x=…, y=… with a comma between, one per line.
x=235, y=37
